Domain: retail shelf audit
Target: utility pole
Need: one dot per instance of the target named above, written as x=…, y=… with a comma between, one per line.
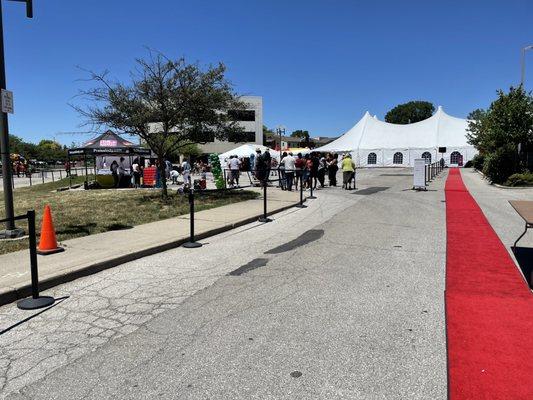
x=7, y=173
x=280, y=130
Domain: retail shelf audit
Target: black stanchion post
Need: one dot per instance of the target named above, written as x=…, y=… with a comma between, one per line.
x=191, y=244
x=53, y=176
x=42, y=175
x=225, y=180
x=60, y=175
x=301, y=203
x=35, y=301
x=311, y=190
x=264, y=218
x=30, y=177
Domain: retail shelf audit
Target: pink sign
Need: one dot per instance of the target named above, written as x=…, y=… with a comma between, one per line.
x=108, y=143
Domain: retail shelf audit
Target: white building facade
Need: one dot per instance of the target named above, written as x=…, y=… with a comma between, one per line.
x=374, y=143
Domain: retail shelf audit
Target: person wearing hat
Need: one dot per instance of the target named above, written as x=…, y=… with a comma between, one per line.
x=348, y=171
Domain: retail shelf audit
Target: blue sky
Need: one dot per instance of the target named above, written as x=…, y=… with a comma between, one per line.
x=318, y=64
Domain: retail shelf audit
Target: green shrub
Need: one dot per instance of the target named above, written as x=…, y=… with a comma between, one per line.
x=468, y=164
x=524, y=179
x=477, y=162
x=500, y=165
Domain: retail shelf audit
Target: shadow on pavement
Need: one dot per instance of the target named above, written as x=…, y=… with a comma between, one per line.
x=57, y=302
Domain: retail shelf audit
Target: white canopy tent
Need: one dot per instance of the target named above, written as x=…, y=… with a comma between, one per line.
x=376, y=143
x=246, y=150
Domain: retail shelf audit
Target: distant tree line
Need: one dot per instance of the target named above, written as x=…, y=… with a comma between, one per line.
x=45, y=150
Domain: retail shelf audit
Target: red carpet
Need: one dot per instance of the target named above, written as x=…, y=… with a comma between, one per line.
x=489, y=307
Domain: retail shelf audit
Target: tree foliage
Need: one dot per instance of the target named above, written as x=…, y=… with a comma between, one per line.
x=497, y=131
x=45, y=150
x=169, y=103
x=408, y=113
x=303, y=135
x=508, y=120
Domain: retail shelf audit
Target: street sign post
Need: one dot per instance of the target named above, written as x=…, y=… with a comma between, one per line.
x=7, y=101
x=11, y=230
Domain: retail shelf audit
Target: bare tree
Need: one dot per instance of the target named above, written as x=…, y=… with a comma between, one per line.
x=168, y=103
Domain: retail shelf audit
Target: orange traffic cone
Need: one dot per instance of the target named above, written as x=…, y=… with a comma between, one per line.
x=48, y=243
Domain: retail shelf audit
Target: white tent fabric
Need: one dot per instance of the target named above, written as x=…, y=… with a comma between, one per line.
x=376, y=143
x=246, y=150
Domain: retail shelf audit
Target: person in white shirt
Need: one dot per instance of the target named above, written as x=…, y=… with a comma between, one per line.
x=289, y=164
x=234, y=166
x=136, y=172
x=174, y=176
x=186, y=170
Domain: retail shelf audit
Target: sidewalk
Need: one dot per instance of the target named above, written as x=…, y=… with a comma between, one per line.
x=90, y=254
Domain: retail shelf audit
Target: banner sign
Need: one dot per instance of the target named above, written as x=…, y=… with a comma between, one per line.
x=419, y=174
x=108, y=143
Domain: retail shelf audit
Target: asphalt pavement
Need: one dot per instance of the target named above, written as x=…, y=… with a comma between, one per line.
x=341, y=300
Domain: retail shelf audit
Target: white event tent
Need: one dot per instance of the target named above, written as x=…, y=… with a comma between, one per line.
x=246, y=150
x=374, y=143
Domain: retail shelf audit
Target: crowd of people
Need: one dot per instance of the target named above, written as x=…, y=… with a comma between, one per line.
x=309, y=170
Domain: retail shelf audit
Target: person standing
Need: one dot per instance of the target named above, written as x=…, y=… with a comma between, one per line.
x=136, y=171
x=348, y=170
x=306, y=176
x=168, y=168
x=313, y=173
x=322, y=168
x=121, y=172
x=260, y=167
x=114, y=172
x=281, y=168
x=186, y=171
x=300, y=167
x=267, y=160
x=234, y=166
x=333, y=167
x=289, y=165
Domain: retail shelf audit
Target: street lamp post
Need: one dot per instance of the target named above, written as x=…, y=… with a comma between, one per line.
x=523, y=78
x=7, y=173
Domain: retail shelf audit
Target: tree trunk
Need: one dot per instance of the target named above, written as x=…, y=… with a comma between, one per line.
x=162, y=168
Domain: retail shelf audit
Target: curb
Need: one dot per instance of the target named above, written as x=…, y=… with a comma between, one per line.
x=503, y=186
x=511, y=187
x=13, y=294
